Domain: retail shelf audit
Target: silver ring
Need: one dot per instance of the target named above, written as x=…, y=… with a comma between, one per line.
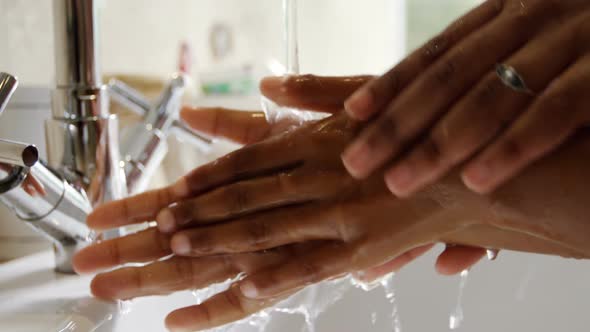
x=510, y=78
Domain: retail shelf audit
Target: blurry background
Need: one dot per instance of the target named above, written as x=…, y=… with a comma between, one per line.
x=233, y=43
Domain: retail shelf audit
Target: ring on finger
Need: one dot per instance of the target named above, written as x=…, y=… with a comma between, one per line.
x=512, y=79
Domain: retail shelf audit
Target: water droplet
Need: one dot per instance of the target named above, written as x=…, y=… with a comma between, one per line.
x=492, y=254
x=374, y=318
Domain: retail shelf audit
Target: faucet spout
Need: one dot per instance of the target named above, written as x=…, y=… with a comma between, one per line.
x=45, y=201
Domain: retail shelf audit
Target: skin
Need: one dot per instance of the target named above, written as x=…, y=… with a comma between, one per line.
x=171, y=274
x=284, y=234
x=469, y=119
x=349, y=225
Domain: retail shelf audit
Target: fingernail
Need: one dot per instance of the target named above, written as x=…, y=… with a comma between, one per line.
x=358, y=104
x=180, y=244
x=166, y=221
x=354, y=158
x=400, y=180
x=249, y=290
x=477, y=177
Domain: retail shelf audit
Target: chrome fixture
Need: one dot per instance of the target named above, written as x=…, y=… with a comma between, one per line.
x=39, y=196
x=84, y=165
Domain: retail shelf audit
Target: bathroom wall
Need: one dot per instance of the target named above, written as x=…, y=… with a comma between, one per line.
x=142, y=36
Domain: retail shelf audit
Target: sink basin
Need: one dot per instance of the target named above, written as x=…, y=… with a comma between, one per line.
x=35, y=298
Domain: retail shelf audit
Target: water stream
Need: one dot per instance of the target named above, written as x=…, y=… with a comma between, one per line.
x=456, y=318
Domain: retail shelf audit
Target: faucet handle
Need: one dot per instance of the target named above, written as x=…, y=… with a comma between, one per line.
x=128, y=97
x=8, y=84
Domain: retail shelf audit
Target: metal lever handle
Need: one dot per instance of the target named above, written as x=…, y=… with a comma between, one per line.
x=135, y=101
x=8, y=84
x=128, y=97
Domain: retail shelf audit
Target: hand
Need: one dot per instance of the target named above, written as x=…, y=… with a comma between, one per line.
x=301, y=194
x=511, y=223
x=444, y=105
x=311, y=198
x=177, y=273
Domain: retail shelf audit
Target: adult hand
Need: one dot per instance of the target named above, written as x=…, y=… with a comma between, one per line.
x=294, y=189
x=178, y=273
x=444, y=105
x=363, y=223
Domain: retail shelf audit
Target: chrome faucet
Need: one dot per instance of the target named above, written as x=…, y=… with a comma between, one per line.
x=40, y=196
x=85, y=166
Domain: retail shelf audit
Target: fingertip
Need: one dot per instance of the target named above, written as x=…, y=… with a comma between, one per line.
x=359, y=105
x=166, y=221
x=101, y=288
x=444, y=270
x=180, y=189
x=353, y=159
x=172, y=325
x=180, y=244
x=186, y=113
x=249, y=289
x=270, y=86
x=95, y=220
x=475, y=178
x=454, y=260
x=399, y=181
x=79, y=263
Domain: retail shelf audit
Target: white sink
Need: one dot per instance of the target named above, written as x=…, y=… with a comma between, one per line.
x=35, y=298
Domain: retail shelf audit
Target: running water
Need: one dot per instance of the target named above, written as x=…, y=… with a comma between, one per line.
x=274, y=113
x=291, y=35
x=456, y=318
x=389, y=287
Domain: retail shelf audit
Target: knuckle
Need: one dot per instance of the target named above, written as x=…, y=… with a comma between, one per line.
x=385, y=130
x=183, y=268
x=258, y=233
x=202, y=242
x=138, y=279
x=435, y=47
x=512, y=149
x=204, y=313
x=285, y=183
x=237, y=198
x=445, y=72
x=487, y=92
x=114, y=252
